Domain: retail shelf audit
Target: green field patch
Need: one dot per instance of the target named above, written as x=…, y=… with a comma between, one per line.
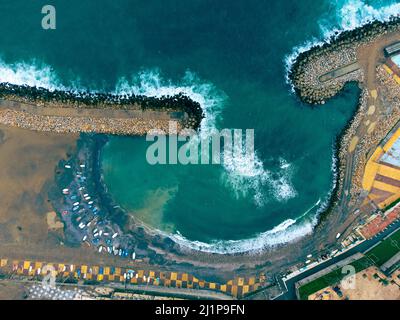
x=331, y=279
x=392, y=205
x=378, y=256
x=385, y=250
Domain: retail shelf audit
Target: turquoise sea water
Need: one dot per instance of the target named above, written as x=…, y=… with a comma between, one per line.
x=231, y=56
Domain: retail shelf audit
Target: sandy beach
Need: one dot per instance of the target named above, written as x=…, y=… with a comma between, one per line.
x=25, y=205
x=323, y=240
x=27, y=163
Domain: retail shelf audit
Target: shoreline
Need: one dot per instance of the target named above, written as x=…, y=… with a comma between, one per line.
x=316, y=93
x=332, y=220
x=109, y=202
x=335, y=193
x=92, y=146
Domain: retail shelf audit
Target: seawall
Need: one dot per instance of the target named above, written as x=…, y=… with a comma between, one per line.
x=69, y=111
x=322, y=72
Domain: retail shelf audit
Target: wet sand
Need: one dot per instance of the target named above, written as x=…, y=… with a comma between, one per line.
x=323, y=240
x=27, y=163
x=12, y=290
x=23, y=199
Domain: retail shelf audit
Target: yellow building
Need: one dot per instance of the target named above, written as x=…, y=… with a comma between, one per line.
x=382, y=173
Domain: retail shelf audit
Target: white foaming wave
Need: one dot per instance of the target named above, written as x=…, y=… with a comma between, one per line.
x=355, y=13
x=284, y=190
x=335, y=176
x=290, y=59
x=350, y=14
x=284, y=164
x=23, y=73
x=246, y=176
x=242, y=174
x=288, y=231
x=148, y=83
x=151, y=84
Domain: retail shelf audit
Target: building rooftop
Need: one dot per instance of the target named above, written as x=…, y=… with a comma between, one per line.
x=391, y=265
x=392, y=49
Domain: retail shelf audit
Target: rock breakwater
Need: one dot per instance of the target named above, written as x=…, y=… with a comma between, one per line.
x=337, y=52
x=191, y=111
x=323, y=71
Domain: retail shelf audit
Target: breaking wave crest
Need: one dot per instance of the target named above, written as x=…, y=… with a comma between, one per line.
x=30, y=74
x=355, y=13
x=249, y=177
x=245, y=176
x=349, y=14
x=151, y=83
x=288, y=231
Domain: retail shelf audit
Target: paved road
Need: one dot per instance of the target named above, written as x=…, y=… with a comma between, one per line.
x=361, y=248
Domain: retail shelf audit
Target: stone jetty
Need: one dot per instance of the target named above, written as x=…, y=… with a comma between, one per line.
x=336, y=54
x=322, y=72
x=70, y=111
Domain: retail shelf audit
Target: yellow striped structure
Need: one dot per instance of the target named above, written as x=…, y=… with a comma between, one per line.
x=36, y=270
x=382, y=180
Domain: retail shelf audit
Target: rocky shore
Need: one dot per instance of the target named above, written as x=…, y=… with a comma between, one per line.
x=90, y=215
x=338, y=58
x=107, y=228
x=306, y=78
x=337, y=52
x=342, y=144
x=60, y=100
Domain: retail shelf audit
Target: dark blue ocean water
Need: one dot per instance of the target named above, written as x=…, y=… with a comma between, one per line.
x=231, y=56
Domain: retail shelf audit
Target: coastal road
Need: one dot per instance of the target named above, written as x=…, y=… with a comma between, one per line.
x=284, y=258
x=368, y=58
x=361, y=248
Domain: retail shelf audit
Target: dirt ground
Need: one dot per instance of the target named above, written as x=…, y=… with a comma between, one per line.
x=27, y=166
x=12, y=291
x=370, y=284
x=29, y=228
x=52, y=221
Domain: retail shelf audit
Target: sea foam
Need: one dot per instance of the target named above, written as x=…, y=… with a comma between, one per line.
x=349, y=14
x=288, y=231
x=30, y=74
x=355, y=13
x=246, y=176
x=243, y=175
